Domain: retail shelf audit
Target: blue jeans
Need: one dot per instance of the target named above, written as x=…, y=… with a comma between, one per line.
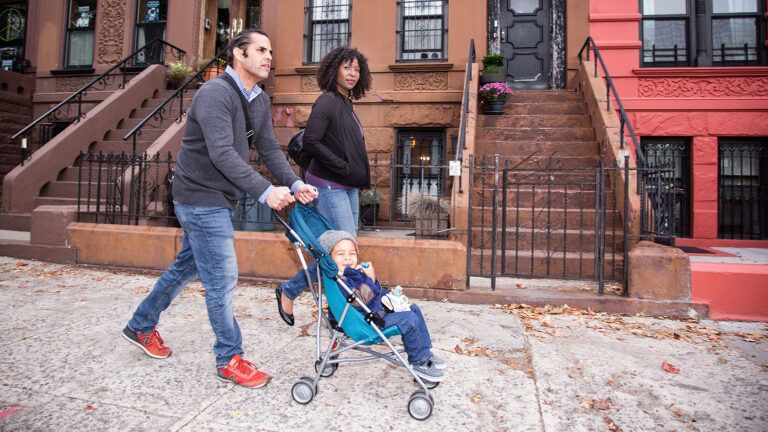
x=208, y=251
x=342, y=208
x=414, y=332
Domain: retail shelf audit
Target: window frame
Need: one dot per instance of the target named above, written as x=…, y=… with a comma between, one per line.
x=682, y=184
x=310, y=38
x=700, y=51
x=156, y=54
x=401, y=33
x=434, y=172
x=69, y=31
x=727, y=202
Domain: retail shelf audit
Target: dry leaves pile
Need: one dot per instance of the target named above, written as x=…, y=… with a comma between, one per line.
x=535, y=323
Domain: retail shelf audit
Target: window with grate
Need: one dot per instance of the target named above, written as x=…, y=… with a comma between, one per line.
x=81, y=22
x=151, y=17
x=420, y=167
x=327, y=27
x=673, y=153
x=702, y=33
x=421, y=30
x=743, y=189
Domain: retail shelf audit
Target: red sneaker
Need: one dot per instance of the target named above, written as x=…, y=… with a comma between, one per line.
x=150, y=343
x=242, y=372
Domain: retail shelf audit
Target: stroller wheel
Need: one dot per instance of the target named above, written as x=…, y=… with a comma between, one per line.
x=303, y=391
x=329, y=369
x=420, y=405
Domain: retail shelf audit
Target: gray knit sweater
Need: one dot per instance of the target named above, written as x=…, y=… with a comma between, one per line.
x=212, y=168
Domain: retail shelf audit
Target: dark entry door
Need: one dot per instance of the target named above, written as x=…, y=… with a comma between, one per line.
x=525, y=42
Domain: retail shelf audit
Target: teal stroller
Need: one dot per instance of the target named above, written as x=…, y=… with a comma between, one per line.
x=355, y=333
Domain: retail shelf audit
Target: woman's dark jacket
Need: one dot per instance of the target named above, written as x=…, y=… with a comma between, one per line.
x=335, y=141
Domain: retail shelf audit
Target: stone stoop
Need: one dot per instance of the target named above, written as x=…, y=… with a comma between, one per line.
x=541, y=129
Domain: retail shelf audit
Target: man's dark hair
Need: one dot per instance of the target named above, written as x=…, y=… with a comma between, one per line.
x=241, y=41
x=329, y=68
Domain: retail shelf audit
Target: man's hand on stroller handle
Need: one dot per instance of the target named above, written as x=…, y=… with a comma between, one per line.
x=306, y=193
x=279, y=197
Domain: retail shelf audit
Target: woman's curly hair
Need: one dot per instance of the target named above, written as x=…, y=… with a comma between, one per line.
x=329, y=68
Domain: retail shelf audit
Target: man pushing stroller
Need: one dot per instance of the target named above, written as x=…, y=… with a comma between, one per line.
x=361, y=278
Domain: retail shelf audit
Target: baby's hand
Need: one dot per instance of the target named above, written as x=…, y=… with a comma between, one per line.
x=367, y=268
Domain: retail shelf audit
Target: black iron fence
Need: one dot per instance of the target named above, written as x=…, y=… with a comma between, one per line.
x=553, y=221
x=134, y=190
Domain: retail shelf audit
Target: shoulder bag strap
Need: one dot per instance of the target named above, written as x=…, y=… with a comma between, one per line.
x=248, y=127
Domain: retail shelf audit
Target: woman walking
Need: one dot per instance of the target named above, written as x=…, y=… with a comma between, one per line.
x=335, y=140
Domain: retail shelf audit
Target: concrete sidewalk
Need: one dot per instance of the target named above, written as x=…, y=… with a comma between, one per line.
x=66, y=367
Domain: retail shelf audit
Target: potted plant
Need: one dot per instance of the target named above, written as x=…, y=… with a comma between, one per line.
x=214, y=69
x=369, y=206
x=493, y=96
x=430, y=213
x=493, y=69
x=177, y=73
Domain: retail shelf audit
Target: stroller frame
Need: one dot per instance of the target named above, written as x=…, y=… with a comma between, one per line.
x=327, y=361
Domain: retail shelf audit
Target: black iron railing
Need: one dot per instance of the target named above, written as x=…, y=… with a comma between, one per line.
x=70, y=110
x=611, y=91
x=173, y=106
x=462, y=143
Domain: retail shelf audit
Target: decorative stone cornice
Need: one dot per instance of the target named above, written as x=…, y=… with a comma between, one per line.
x=704, y=72
x=307, y=70
x=111, y=35
x=692, y=87
x=421, y=81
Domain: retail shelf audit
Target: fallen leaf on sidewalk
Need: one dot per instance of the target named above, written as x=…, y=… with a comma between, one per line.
x=603, y=404
x=458, y=350
x=304, y=330
x=520, y=285
x=89, y=407
x=468, y=340
x=669, y=367
x=677, y=412
x=476, y=398
x=587, y=403
x=611, y=425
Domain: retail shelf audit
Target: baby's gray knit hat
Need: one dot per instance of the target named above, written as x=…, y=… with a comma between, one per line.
x=329, y=239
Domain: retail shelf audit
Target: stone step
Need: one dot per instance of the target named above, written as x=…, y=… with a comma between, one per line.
x=556, y=240
x=514, y=108
x=535, y=121
x=148, y=134
x=154, y=103
x=489, y=147
x=545, y=96
x=118, y=146
x=545, y=264
x=536, y=134
x=554, y=218
x=131, y=122
x=523, y=196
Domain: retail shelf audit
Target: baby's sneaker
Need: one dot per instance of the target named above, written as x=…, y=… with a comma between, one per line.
x=428, y=372
x=438, y=362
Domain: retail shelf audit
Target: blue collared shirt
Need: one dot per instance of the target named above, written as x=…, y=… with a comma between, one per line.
x=250, y=95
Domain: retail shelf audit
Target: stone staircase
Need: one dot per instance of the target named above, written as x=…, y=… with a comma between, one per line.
x=546, y=141
x=63, y=191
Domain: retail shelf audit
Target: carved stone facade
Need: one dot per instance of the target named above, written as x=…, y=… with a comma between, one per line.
x=703, y=87
x=71, y=84
x=309, y=84
x=421, y=81
x=111, y=36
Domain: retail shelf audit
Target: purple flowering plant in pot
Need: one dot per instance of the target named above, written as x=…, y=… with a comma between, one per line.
x=494, y=95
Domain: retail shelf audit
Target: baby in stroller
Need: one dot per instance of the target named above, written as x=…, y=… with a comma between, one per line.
x=361, y=278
